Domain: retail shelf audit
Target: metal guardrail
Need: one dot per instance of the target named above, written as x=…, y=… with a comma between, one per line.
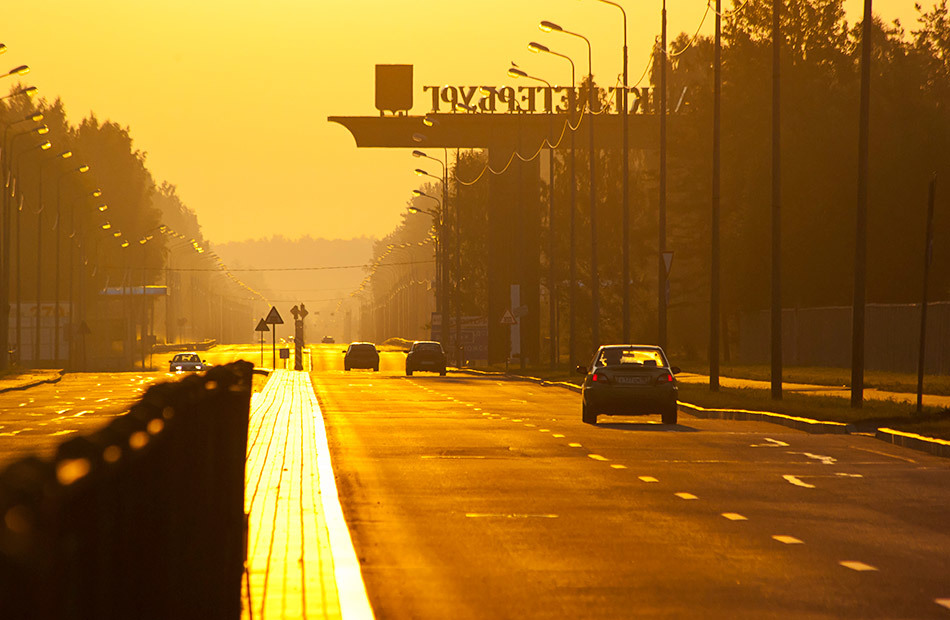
x=141, y=519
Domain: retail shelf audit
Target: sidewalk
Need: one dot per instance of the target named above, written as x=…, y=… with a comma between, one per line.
x=301, y=562
x=843, y=391
x=30, y=378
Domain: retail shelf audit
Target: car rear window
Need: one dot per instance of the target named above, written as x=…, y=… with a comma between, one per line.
x=363, y=348
x=649, y=358
x=427, y=347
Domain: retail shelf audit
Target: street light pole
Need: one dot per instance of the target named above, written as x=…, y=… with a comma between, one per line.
x=443, y=241
x=58, y=234
x=625, y=175
x=552, y=286
x=592, y=159
x=661, y=274
x=39, y=254
x=776, y=348
x=714, y=301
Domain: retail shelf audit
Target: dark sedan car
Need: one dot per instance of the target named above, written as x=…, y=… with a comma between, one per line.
x=185, y=362
x=629, y=379
x=425, y=355
x=361, y=355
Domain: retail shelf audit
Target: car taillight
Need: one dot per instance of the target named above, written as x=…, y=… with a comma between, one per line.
x=664, y=378
x=598, y=378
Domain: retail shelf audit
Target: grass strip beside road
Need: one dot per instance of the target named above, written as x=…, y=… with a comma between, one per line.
x=938, y=385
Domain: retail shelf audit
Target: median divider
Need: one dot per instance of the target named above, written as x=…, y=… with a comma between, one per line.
x=143, y=518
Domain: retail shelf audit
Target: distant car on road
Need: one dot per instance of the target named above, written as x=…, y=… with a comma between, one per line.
x=629, y=379
x=328, y=340
x=186, y=362
x=425, y=355
x=361, y=355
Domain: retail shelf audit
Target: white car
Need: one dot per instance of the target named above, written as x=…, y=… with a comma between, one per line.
x=184, y=362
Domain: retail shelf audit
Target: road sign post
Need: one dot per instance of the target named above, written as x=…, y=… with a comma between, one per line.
x=262, y=327
x=508, y=319
x=299, y=315
x=273, y=318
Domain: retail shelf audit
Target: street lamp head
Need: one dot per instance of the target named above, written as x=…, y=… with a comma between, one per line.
x=547, y=26
x=103, y=207
x=106, y=225
x=65, y=154
x=125, y=244
x=418, y=137
x=516, y=73
x=96, y=193
x=418, y=193
x=421, y=172
x=35, y=117
x=82, y=169
x=415, y=210
x=430, y=122
x=21, y=70
x=29, y=91
x=117, y=234
x=46, y=145
x=419, y=154
x=538, y=48
x=42, y=130
x=3, y=48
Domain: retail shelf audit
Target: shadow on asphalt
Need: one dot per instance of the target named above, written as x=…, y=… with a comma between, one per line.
x=653, y=427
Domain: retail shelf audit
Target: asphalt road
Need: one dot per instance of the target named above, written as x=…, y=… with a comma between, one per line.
x=471, y=497
x=35, y=421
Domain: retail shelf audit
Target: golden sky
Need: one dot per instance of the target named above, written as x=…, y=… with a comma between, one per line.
x=230, y=99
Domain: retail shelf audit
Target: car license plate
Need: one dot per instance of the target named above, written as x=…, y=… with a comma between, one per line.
x=632, y=380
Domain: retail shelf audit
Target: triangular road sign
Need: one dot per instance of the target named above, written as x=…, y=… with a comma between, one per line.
x=508, y=318
x=262, y=326
x=668, y=261
x=273, y=317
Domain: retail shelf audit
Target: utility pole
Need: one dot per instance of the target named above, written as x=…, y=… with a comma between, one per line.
x=661, y=245
x=776, y=348
x=714, y=307
x=928, y=257
x=861, y=233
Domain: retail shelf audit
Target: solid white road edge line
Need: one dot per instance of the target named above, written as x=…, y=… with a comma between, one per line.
x=794, y=480
x=354, y=602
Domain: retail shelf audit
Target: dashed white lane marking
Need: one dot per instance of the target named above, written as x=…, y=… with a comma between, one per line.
x=496, y=515
x=843, y=475
x=574, y=445
x=648, y=479
x=530, y=425
x=616, y=466
x=794, y=480
x=858, y=566
x=685, y=496
x=558, y=435
x=102, y=400
x=825, y=460
x=597, y=457
x=734, y=516
x=772, y=443
x=544, y=430
x=788, y=540
x=943, y=602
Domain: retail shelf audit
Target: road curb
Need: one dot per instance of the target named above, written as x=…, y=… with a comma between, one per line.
x=803, y=424
x=937, y=447
x=26, y=386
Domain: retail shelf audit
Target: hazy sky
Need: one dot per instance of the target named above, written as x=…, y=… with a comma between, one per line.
x=230, y=99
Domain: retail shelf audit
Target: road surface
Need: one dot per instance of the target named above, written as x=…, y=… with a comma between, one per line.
x=472, y=497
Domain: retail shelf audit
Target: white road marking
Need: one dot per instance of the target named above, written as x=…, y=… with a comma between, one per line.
x=574, y=445
x=825, y=460
x=498, y=515
x=543, y=430
x=63, y=432
x=685, y=495
x=794, y=480
x=62, y=411
x=772, y=443
x=843, y=475
x=858, y=566
x=559, y=435
x=597, y=457
x=788, y=540
x=734, y=516
x=648, y=479
x=102, y=400
x=477, y=409
x=943, y=602
x=616, y=466
x=530, y=425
